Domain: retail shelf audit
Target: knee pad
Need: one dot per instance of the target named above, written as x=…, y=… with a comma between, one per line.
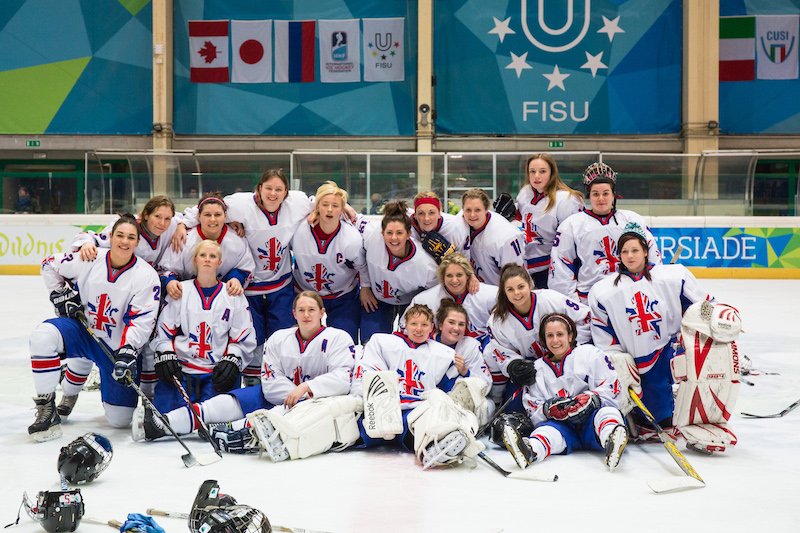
x=46, y=340
x=118, y=416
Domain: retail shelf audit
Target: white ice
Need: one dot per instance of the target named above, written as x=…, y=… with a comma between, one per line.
x=752, y=487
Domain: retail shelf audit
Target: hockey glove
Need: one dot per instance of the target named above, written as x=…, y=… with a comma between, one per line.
x=67, y=302
x=125, y=370
x=521, y=372
x=576, y=410
x=504, y=206
x=167, y=366
x=437, y=246
x=226, y=373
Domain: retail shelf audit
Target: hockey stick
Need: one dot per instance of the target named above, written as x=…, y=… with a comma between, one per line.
x=185, y=516
x=111, y=523
x=189, y=459
x=776, y=415
x=497, y=414
x=676, y=255
x=202, y=428
x=670, y=483
x=527, y=475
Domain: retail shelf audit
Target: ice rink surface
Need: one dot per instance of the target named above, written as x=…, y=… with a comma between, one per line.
x=752, y=487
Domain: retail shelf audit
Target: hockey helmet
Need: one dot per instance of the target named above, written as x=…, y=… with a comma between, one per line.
x=517, y=420
x=213, y=512
x=599, y=173
x=58, y=511
x=85, y=458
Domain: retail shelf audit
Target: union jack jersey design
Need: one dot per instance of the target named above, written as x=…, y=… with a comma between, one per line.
x=583, y=369
x=120, y=304
x=419, y=367
x=641, y=317
x=324, y=361
x=539, y=226
x=478, y=306
x=267, y=235
x=396, y=281
x=330, y=268
x=518, y=336
x=202, y=328
x=585, y=250
x=235, y=255
x=493, y=245
x=150, y=250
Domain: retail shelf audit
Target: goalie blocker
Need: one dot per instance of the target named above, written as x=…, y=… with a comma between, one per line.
x=707, y=375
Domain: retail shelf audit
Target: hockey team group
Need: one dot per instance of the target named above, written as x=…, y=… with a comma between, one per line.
x=275, y=322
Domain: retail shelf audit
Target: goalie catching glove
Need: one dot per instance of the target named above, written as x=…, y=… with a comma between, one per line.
x=576, y=410
x=437, y=245
x=504, y=206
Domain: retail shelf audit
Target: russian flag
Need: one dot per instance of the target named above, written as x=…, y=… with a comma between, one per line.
x=295, y=51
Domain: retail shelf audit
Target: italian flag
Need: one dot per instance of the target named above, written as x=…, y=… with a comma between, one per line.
x=737, y=48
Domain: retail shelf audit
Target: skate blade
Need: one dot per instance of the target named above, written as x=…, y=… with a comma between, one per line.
x=510, y=440
x=52, y=433
x=452, y=449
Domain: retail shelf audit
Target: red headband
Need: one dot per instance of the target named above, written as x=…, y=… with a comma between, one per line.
x=563, y=319
x=433, y=201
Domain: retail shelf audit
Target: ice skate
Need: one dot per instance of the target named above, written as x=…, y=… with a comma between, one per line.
x=47, y=425
x=66, y=405
x=237, y=441
x=268, y=438
x=519, y=447
x=615, y=445
x=145, y=425
x=445, y=450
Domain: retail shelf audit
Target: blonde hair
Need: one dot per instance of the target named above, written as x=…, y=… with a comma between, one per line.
x=309, y=294
x=200, y=245
x=457, y=259
x=419, y=309
x=555, y=184
x=330, y=187
x=478, y=194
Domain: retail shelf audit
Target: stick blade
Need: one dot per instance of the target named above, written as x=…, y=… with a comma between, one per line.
x=673, y=483
x=189, y=460
x=205, y=459
x=533, y=475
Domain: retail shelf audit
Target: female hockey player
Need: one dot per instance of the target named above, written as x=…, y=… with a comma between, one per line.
x=119, y=298
x=306, y=361
x=542, y=204
x=428, y=218
x=451, y=329
x=573, y=403
x=205, y=338
x=454, y=274
x=328, y=257
x=397, y=269
x=638, y=312
x=429, y=422
x=493, y=241
x=585, y=246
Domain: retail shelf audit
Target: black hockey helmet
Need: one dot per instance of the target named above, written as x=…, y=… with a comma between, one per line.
x=515, y=419
x=58, y=511
x=213, y=512
x=85, y=458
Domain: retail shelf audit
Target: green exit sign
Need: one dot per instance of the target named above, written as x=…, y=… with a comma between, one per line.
x=555, y=144
x=30, y=144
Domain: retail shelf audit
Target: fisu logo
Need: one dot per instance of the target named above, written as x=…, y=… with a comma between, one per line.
x=556, y=33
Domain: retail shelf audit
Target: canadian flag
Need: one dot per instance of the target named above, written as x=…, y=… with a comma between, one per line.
x=251, y=46
x=208, y=49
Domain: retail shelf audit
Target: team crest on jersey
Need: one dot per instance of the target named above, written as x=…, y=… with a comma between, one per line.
x=200, y=341
x=608, y=253
x=531, y=235
x=101, y=312
x=644, y=311
x=272, y=252
x=386, y=290
x=319, y=277
x=298, y=377
x=411, y=379
x=267, y=371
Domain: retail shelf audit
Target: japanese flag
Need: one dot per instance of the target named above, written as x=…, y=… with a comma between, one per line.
x=251, y=45
x=208, y=48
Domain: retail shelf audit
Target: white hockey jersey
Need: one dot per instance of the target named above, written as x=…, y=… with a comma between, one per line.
x=583, y=369
x=120, y=304
x=150, y=250
x=201, y=329
x=640, y=317
x=585, y=250
x=493, y=245
x=396, y=281
x=331, y=267
x=419, y=367
x=235, y=255
x=268, y=236
x=539, y=226
x=518, y=336
x=325, y=362
x=470, y=350
x=478, y=306
x=451, y=227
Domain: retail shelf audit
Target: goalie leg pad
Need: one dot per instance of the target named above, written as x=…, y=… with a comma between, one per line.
x=444, y=432
x=382, y=415
x=628, y=373
x=470, y=393
x=310, y=428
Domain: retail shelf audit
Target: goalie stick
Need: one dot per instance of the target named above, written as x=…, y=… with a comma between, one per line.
x=670, y=483
x=202, y=428
x=189, y=459
x=185, y=516
x=776, y=415
x=527, y=475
